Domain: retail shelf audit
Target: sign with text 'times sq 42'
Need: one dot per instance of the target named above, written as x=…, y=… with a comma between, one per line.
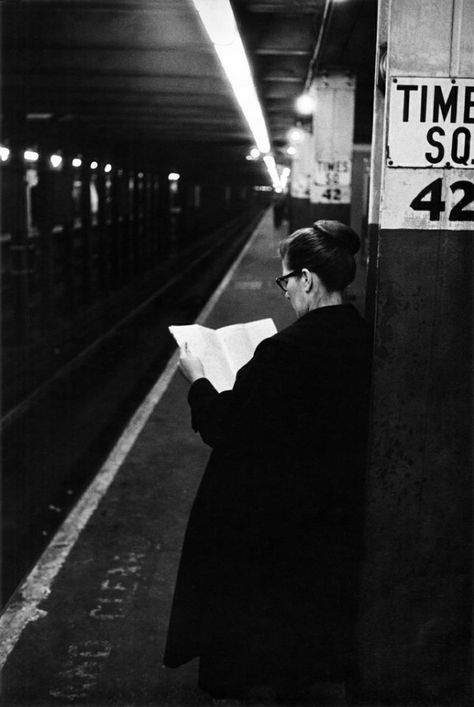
x=429, y=173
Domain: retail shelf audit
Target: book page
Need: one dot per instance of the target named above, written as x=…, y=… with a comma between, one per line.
x=241, y=340
x=205, y=344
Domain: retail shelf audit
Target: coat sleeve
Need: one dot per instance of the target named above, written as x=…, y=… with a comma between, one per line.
x=246, y=413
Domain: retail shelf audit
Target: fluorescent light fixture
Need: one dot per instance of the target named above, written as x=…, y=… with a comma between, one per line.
x=94, y=164
x=56, y=161
x=108, y=167
x=173, y=176
x=272, y=170
x=4, y=153
x=290, y=150
x=39, y=116
x=305, y=104
x=77, y=162
x=31, y=156
x=219, y=22
x=285, y=174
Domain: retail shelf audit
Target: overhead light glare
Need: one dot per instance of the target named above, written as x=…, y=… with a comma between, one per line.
x=4, y=153
x=31, y=156
x=305, y=104
x=255, y=153
x=290, y=150
x=56, y=161
x=94, y=164
x=173, y=176
x=219, y=22
x=272, y=170
x=285, y=174
x=77, y=162
x=108, y=167
x=295, y=135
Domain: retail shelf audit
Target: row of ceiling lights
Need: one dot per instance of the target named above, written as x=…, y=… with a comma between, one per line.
x=56, y=161
x=219, y=22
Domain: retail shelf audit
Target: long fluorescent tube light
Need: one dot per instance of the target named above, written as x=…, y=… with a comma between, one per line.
x=272, y=170
x=219, y=22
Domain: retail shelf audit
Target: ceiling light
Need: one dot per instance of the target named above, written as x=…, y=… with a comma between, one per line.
x=173, y=176
x=219, y=22
x=255, y=153
x=77, y=162
x=56, y=161
x=108, y=167
x=4, y=153
x=285, y=174
x=31, y=156
x=272, y=170
x=305, y=104
x=94, y=165
x=295, y=135
x=290, y=150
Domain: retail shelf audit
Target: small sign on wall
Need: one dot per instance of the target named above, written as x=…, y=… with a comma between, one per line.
x=331, y=182
x=430, y=154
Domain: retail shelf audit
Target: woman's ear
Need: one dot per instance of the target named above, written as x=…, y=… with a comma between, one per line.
x=307, y=278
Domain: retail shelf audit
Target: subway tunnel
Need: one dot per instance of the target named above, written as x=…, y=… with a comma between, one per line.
x=153, y=155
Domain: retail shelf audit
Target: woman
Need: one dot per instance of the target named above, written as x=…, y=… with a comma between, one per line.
x=266, y=588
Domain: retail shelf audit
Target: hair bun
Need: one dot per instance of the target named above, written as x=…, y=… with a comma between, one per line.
x=345, y=236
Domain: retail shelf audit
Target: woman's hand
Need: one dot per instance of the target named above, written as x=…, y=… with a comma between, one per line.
x=190, y=366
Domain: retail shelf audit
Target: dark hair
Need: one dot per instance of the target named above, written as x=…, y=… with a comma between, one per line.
x=326, y=248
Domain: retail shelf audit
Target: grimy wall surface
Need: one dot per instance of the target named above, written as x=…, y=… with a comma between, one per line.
x=415, y=628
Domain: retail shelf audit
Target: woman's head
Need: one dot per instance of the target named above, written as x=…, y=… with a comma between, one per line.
x=327, y=248
x=318, y=264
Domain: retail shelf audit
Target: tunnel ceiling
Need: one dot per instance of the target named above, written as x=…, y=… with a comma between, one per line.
x=138, y=80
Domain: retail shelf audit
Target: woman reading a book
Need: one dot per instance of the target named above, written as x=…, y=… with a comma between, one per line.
x=267, y=586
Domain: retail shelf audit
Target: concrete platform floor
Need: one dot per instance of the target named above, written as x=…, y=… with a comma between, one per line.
x=98, y=637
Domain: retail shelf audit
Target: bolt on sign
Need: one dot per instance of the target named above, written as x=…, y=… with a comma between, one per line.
x=429, y=177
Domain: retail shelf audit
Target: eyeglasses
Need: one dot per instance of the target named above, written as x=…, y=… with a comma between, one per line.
x=282, y=281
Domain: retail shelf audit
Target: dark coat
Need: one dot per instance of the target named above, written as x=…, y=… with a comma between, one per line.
x=266, y=584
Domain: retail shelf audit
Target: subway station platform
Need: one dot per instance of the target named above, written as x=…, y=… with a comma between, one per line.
x=89, y=624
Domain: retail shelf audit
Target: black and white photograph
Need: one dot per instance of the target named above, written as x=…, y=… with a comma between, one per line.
x=236, y=457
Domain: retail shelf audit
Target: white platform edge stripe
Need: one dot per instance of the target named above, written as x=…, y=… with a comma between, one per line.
x=37, y=585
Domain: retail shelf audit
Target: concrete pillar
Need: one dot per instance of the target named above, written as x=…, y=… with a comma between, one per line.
x=300, y=180
x=333, y=133
x=416, y=601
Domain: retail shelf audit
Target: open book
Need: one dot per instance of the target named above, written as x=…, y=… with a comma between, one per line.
x=223, y=351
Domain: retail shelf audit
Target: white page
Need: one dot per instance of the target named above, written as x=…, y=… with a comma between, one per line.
x=241, y=340
x=205, y=344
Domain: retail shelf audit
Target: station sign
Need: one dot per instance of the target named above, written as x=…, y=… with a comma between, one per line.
x=331, y=182
x=431, y=123
x=430, y=154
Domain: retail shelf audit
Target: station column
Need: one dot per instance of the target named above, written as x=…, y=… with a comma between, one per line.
x=333, y=131
x=416, y=601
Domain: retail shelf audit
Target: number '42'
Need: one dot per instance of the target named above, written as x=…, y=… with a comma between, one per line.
x=429, y=199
